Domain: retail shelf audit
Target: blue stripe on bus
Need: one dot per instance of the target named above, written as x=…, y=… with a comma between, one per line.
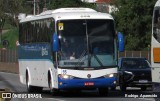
x=80, y=83
x=34, y=51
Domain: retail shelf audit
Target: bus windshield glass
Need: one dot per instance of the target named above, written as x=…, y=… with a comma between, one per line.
x=87, y=43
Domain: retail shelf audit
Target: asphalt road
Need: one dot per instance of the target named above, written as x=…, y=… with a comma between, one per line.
x=11, y=81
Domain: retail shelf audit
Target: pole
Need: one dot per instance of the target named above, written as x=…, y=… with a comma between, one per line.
x=2, y=20
x=0, y=31
x=149, y=53
x=1, y=35
x=34, y=7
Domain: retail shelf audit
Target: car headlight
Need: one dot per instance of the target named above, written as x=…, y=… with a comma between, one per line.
x=65, y=76
x=110, y=75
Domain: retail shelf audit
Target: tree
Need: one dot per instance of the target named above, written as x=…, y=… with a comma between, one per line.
x=134, y=19
x=10, y=9
x=2, y=13
x=54, y=4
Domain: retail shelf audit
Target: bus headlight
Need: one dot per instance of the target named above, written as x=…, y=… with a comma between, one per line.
x=110, y=75
x=65, y=76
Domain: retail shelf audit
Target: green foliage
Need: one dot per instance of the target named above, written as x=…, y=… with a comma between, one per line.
x=10, y=9
x=54, y=4
x=134, y=19
x=12, y=37
x=7, y=25
x=2, y=9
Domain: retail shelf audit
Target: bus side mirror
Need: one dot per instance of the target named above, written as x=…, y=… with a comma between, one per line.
x=120, y=42
x=55, y=43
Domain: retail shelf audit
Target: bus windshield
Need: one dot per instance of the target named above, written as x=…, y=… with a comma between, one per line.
x=87, y=43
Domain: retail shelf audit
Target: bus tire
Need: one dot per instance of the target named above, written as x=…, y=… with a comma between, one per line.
x=30, y=88
x=38, y=89
x=52, y=90
x=103, y=91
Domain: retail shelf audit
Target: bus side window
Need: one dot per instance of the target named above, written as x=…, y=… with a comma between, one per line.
x=52, y=26
x=156, y=26
x=20, y=32
x=51, y=31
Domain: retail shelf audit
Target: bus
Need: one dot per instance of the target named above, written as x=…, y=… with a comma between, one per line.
x=68, y=49
x=155, y=44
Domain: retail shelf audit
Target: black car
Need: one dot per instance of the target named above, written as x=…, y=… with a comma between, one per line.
x=134, y=72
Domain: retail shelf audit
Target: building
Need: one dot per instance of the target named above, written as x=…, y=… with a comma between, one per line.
x=90, y=1
x=103, y=5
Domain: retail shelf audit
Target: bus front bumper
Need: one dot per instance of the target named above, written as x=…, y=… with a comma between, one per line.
x=86, y=83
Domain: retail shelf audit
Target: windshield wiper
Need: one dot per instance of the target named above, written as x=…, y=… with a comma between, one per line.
x=80, y=59
x=98, y=60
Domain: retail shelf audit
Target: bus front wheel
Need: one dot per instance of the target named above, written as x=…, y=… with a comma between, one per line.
x=52, y=90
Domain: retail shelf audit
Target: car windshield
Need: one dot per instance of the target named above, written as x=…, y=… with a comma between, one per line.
x=135, y=63
x=87, y=43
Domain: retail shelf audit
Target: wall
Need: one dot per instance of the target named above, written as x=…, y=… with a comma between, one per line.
x=9, y=58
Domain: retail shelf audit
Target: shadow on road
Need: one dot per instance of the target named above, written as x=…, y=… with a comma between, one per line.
x=86, y=93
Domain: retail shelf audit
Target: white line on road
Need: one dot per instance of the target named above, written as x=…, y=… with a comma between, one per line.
x=53, y=99
x=147, y=99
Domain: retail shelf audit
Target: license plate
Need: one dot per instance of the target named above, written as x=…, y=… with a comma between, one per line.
x=143, y=81
x=89, y=83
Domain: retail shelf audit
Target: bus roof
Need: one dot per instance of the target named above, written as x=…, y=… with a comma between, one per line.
x=68, y=13
x=157, y=3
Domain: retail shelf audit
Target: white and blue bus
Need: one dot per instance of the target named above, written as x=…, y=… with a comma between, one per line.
x=155, y=44
x=69, y=48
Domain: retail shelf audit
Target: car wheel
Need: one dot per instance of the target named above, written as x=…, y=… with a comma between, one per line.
x=123, y=87
x=151, y=88
x=113, y=88
x=103, y=91
x=143, y=88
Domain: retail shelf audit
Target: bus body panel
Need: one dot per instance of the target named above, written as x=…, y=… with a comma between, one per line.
x=82, y=83
x=83, y=73
x=38, y=72
x=157, y=3
x=64, y=16
x=80, y=77
x=155, y=46
x=155, y=66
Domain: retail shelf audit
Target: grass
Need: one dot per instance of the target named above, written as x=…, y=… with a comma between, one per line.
x=12, y=37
